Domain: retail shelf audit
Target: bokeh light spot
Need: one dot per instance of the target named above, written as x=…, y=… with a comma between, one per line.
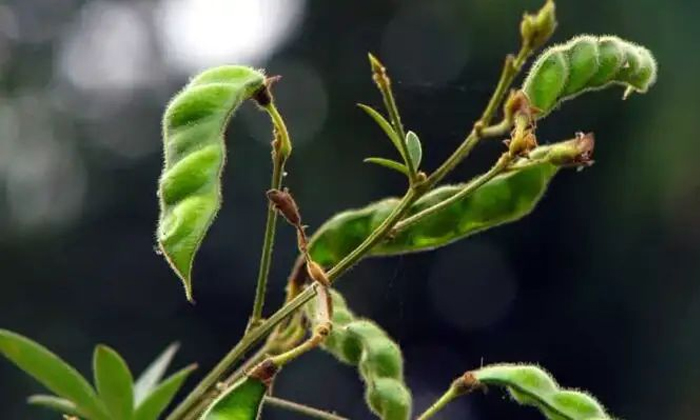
x=197, y=34
x=420, y=46
x=478, y=292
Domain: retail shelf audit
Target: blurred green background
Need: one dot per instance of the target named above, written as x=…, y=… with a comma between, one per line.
x=600, y=284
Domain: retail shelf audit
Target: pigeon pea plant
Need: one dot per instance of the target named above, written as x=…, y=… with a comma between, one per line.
x=314, y=315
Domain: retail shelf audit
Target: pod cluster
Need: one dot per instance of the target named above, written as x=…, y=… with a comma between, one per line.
x=588, y=63
x=531, y=385
x=360, y=342
x=189, y=188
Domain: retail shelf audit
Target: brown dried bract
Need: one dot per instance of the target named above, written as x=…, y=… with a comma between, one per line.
x=284, y=203
x=585, y=142
x=519, y=103
x=324, y=307
x=265, y=371
x=316, y=273
x=468, y=383
x=522, y=145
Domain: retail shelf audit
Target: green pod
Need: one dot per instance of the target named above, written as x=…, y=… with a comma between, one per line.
x=380, y=357
x=389, y=399
x=189, y=189
x=242, y=401
x=531, y=385
x=587, y=63
x=362, y=343
x=506, y=198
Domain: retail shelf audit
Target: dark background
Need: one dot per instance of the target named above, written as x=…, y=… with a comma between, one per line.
x=599, y=285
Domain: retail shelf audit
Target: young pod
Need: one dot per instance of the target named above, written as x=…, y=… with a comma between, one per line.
x=588, y=63
x=363, y=343
x=531, y=385
x=189, y=189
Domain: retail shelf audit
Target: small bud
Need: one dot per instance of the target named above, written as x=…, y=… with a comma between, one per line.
x=467, y=383
x=538, y=28
x=376, y=65
x=316, y=273
x=284, y=203
x=379, y=75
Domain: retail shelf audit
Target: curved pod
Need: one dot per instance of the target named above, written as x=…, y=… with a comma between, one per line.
x=363, y=343
x=189, y=189
x=588, y=63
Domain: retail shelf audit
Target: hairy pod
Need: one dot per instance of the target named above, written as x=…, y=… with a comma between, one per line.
x=506, y=198
x=362, y=343
x=194, y=153
x=531, y=385
x=588, y=63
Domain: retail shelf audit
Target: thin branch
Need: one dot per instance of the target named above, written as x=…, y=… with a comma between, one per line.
x=511, y=69
x=302, y=409
x=383, y=82
x=460, y=386
x=279, y=157
x=253, y=336
x=470, y=188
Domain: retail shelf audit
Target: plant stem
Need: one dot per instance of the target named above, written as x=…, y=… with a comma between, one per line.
x=278, y=160
x=383, y=82
x=445, y=399
x=249, y=340
x=256, y=334
x=265, y=327
x=511, y=68
x=472, y=186
x=377, y=235
x=302, y=409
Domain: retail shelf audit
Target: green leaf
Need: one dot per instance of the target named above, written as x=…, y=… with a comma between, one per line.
x=158, y=399
x=60, y=405
x=194, y=153
x=531, y=385
x=52, y=372
x=114, y=382
x=388, y=163
x=415, y=151
x=242, y=401
x=385, y=126
x=153, y=374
